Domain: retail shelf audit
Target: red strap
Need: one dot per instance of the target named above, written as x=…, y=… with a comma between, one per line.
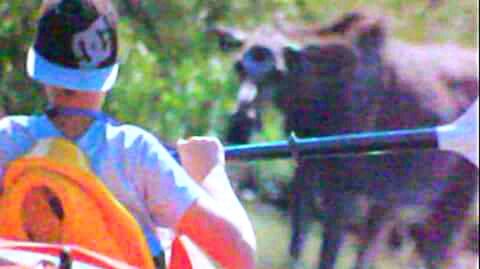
x=179, y=259
x=78, y=253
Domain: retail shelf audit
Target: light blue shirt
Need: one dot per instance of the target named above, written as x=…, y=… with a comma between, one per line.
x=131, y=162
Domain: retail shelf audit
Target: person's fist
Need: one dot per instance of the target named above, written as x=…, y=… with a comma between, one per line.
x=199, y=155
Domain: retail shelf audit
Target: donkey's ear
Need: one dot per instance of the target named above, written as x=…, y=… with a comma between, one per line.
x=370, y=34
x=345, y=23
x=366, y=29
x=228, y=38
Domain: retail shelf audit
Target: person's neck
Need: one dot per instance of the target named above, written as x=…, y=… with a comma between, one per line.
x=72, y=126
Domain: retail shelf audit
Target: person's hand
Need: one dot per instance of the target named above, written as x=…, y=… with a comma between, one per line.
x=199, y=155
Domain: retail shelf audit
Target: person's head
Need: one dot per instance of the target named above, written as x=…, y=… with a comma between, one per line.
x=74, y=54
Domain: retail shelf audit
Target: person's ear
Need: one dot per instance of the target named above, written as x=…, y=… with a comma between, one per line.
x=50, y=94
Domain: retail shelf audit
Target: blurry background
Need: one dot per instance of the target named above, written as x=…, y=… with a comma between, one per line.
x=175, y=82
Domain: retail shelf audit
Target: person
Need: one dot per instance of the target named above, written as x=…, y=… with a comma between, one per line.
x=74, y=58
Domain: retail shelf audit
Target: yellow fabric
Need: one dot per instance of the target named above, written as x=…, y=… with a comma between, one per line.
x=92, y=217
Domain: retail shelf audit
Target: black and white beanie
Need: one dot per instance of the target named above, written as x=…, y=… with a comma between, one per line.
x=76, y=46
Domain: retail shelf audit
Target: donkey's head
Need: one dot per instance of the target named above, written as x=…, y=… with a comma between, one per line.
x=304, y=70
x=259, y=62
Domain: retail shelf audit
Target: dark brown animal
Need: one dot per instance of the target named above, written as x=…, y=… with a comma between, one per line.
x=348, y=77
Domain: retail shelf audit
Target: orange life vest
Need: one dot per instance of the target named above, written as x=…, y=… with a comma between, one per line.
x=84, y=212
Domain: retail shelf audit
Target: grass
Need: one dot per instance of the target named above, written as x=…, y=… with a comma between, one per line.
x=273, y=234
x=409, y=20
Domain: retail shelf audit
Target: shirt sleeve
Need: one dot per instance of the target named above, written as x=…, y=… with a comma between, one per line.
x=168, y=190
x=14, y=139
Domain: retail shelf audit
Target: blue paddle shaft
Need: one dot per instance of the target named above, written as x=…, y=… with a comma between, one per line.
x=350, y=144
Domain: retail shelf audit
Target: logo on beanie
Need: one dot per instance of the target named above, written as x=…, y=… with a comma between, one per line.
x=94, y=45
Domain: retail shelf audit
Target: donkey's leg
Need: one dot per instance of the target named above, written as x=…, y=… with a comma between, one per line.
x=301, y=211
x=336, y=220
x=376, y=231
x=438, y=241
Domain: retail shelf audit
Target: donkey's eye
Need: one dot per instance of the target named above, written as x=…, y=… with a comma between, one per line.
x=229, y=43
x=260, y=54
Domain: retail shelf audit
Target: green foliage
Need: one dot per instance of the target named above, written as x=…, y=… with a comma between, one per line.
x=174, y=80
x=17, y=94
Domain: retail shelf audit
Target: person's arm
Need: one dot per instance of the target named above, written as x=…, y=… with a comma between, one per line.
x=217, y=223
